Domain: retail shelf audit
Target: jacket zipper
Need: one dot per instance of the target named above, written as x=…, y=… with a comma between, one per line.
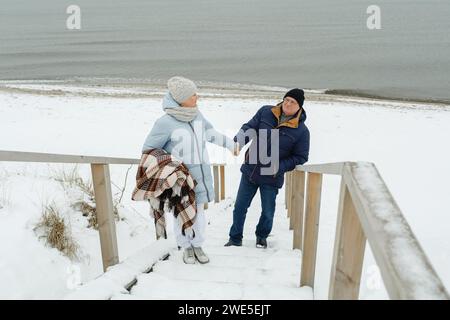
x=201, y=168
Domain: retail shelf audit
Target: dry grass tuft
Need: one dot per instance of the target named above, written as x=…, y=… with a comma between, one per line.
x=56, y=232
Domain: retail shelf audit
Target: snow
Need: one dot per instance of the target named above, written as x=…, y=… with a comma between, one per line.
x=405, y=141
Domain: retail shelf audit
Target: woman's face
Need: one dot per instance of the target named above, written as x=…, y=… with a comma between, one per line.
x=190, y=102
x=290, y=106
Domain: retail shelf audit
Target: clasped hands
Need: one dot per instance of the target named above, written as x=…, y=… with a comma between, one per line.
x=236, y=149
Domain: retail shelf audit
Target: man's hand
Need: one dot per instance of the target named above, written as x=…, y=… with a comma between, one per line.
x=236, y=149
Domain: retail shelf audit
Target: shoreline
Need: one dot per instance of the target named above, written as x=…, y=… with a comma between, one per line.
x=141, y=89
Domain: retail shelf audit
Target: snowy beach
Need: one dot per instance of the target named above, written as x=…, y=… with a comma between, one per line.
x=406, y=141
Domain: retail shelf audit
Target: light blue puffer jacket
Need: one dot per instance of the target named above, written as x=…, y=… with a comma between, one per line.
x=178, y=138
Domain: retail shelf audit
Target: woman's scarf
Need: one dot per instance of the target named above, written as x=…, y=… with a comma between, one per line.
x=183, y=113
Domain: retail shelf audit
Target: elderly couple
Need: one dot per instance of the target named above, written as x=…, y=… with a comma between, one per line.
x=275, y=130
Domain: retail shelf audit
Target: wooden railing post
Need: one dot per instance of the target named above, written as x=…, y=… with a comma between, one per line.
x=105, y=214
x=349, y=249
x=222, y=182
x=297, y=207
x=287, y=176
x=312, y=213
x=291, y=195
x=216, y=183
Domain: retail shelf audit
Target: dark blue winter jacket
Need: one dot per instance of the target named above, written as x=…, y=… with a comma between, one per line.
x=292, y=144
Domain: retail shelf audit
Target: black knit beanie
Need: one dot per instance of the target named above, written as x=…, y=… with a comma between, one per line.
x=296, y=94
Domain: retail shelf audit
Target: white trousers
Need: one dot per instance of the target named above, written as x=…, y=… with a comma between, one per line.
x=199, y=226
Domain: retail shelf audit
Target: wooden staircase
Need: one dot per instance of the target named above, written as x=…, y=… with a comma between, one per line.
x=367, y=213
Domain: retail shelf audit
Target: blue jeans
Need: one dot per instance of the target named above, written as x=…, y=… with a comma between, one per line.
x=246, y=192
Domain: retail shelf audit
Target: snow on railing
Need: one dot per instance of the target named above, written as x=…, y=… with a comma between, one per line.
x=367, y=211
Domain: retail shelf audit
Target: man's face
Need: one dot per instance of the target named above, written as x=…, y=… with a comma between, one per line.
x=290, y=106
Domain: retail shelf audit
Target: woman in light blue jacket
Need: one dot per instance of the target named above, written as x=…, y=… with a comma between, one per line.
x=183, y=132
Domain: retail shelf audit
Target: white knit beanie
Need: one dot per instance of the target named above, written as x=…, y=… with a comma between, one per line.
x=181, y=88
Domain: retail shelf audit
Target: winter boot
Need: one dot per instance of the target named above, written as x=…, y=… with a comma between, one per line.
x=233, y=243
x=200, y=255
x=188, y=256
x=261, y=242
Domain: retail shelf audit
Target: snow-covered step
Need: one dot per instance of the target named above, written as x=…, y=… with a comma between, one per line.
x=249, y=241
x=226, y=275
x=249, y=233
x=224, y=261
x=247, y=250
x=233, y=273
x=244, y=272
x=158, y=286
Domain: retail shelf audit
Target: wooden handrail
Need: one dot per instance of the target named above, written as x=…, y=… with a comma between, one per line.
x=102, y=190
x=325, y=168
x=21, y=156
x=367, y=211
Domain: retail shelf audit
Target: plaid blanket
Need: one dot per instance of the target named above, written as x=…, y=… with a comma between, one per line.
x=167, y=185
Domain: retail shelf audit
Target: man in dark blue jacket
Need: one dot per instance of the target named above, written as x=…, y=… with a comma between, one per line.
x=280, y=141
